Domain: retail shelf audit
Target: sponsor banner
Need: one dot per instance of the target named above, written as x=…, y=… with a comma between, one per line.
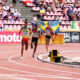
x=13, y=37
x=75, y=37
x=67, y=37
x=10, y=37
x=72, y=37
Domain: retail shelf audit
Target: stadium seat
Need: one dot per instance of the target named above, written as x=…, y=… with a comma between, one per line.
x=69, y=27
x=5, y=21
x=51, y=13
x=52, y=17
x=55, y=9
x=19, y=26
x=65, y=27
x=11, y=27
x=30, y=26
x=63, y=22
x=20, y=22
x=15, y=26
x=4, y=8
x=45, y=18
x=9, y=22
x=38, y=8
x=7, y=7
x=24, y=2
x=59, y=13
x=59, y=9
x=76, y=9
x=47, y=13
x=64, y=18
x=68, y=1
x=17, y=22
x=34, y=8
x=56, y=13
x=67, y=22
x=79, y=9
x=28, y=4
x=73, y=1
x=70, y=22
x=47, y=1
x=50, y=0
x=61, y=17
x=6, y=27
x=49, y=18
x=61, y=27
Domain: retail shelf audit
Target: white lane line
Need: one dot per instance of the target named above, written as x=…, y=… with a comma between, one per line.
x=14, y=76
x=4, y=76
x=71, y=51
x=8, y=52
x=41, y=58
x=64, y=74
x=41, y=75
x=39, y=67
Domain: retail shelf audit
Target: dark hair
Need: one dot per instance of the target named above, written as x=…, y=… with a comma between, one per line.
x=34, y=15
x=36, y=26
x=25, y=20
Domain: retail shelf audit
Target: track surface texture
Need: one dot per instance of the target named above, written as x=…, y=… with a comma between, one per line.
x=12, y=68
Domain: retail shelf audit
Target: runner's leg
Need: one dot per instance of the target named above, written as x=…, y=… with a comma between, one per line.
x=22, y=48
x=35, y=46
x=31, y=45
x=46, y=44
x=26, y=46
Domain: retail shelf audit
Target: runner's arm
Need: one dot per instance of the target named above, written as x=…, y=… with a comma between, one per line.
x=39, y=33
x=52, y=33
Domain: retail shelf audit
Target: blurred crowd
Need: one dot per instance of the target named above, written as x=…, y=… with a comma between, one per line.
x=70, y=8
x=9, y=12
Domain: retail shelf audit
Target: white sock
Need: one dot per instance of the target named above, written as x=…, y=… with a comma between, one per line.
x=21, y=58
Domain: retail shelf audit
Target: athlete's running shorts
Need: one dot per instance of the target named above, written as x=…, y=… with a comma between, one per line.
x=26, y=39
x=34, y=39
x=48, y=37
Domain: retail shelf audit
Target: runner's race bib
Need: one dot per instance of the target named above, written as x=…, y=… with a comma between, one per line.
x=26, y=33
x=35, y=34
x=48, y=32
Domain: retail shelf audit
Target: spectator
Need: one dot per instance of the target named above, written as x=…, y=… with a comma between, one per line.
x=63, y=1
x=42, y=11
x=37, y=2
x=34, y=20
x=5, y=15
x=78, y=16
x=14, y=3
x=69, y=12
x=55, y=3
x=16, y=15
x=73, y=11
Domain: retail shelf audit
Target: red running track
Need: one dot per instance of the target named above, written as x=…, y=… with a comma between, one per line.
x=12, y=68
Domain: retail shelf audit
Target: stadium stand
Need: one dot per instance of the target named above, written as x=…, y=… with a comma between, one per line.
x=9, y=17
x=66, y=11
